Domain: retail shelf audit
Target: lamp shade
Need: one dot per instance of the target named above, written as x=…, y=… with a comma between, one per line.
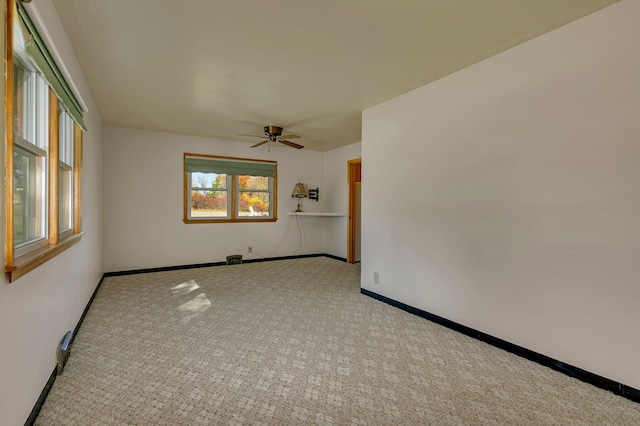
x=299, y=191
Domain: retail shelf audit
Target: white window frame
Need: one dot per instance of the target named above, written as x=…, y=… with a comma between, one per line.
x=241, y=190
x=34, y=141
x=228, y=190
x=65, y=165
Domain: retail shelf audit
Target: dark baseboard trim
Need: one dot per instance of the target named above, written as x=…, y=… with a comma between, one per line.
x=330, y=256
x=43, y=395
x=269, y=259
x=207, y=265
x=162, y=269
x=86, y=309
x=575, y=372
x=47, y=388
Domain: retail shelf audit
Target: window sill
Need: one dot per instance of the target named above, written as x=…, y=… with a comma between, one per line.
x=190, y=221
x=316, y=214
x=29, y=261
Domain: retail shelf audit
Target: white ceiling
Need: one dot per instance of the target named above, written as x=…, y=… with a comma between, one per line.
x=218, y=68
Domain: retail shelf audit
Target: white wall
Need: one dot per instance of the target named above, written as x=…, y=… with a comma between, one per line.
x=336, y=195
x=38, y=308
x=512, y=204
x=143, y=202
x=144, y=225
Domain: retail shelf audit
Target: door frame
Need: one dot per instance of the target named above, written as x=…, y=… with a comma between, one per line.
x=354, y=175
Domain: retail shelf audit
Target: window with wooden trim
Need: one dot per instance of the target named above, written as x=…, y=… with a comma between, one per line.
x=43, y=151
x=228, y=189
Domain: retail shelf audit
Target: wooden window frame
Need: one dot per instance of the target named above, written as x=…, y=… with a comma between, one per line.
x=16, y=267
x=233, y=191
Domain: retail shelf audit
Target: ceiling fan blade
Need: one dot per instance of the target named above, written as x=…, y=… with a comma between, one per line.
x=291, y=144
x=251, y=136
x=258, y=144
x=290, y=137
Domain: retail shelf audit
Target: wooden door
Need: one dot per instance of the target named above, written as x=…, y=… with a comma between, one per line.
x=354, y=176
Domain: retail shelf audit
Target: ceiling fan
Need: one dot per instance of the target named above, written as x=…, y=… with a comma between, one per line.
x=274, y=134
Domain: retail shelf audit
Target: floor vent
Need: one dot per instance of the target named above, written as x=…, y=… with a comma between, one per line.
x=234, y=259
x=63, y=351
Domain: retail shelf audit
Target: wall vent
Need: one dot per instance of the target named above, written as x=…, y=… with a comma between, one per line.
x=234, y=259
x=63, y=351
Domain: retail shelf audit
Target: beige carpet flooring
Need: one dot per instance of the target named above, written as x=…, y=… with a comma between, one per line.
x=294, y=342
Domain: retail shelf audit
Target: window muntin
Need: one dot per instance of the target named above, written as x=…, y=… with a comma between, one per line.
x=225, y=189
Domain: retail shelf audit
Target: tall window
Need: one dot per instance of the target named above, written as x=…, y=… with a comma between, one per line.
x=44, y=150
x=225, y=189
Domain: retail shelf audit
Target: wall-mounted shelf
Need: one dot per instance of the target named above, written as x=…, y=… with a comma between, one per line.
x=315, y=214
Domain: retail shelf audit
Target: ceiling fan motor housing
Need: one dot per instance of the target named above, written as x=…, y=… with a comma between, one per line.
x=272, y=130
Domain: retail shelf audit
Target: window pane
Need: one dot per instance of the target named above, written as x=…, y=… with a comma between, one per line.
x=65, y=170
x=65, y=126
x=65, y=205
x=42, y=112
x=209, y=203
x=208, y=180
x=253, y=182
x=24, y=103
x=253, y=204
x=29, y=198
x=30, y=112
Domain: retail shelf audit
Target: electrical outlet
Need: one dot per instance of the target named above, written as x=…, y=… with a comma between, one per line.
x=250, y=249
x=376, y=278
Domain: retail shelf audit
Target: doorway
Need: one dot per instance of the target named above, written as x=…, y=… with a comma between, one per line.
x=354, y=176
